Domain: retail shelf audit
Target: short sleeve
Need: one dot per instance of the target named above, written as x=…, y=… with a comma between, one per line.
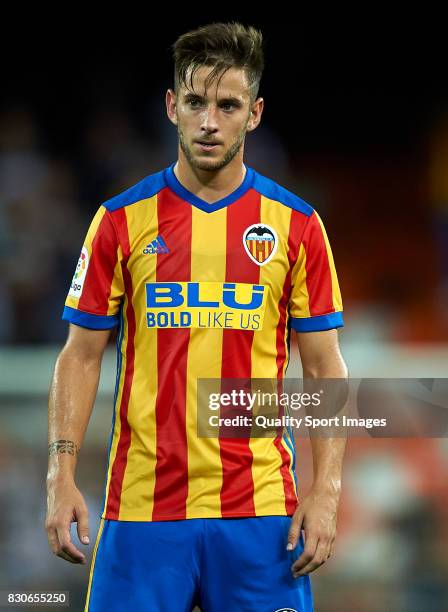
x=97, y=286
x=315, y=301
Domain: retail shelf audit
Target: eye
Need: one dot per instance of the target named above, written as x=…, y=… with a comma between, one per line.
x=194, y=102
x=227, y=106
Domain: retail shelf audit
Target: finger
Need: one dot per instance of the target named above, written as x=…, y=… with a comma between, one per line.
x=55, y=546
x=68, y=558
x=53, y=540
x=308, y=553
x=67, y=546
x=294, y=530
x=319, y=558
x=83, y=525
x=330, y=548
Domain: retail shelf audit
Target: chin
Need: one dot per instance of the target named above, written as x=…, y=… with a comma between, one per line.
x=208, y=164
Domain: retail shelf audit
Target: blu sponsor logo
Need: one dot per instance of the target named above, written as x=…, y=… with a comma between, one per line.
x=205, y=304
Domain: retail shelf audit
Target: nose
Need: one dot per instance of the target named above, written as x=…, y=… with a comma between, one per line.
x=209, y=119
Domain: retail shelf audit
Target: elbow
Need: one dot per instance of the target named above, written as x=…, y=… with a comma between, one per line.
x=82, y=360
x=326, y=368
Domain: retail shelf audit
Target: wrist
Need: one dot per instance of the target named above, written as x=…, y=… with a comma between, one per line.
x=62, y=462
x=57, y=476
x=54, y=484
x=327, y=486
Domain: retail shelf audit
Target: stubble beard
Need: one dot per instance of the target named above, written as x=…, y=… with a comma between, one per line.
x=210, y=164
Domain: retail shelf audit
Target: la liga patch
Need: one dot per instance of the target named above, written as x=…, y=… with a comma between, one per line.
x=80, y=274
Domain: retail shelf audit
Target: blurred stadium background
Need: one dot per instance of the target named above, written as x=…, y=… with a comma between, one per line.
x=356, y=123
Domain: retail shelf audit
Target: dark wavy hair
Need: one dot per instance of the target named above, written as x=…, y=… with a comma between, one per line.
x=223, y=46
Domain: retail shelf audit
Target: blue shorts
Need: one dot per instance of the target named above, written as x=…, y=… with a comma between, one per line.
x=221, y=565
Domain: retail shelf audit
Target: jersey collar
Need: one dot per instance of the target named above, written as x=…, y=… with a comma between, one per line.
x=174, y=184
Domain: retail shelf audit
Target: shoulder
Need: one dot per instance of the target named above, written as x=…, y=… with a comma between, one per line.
x=144, y=189
x=273, y=191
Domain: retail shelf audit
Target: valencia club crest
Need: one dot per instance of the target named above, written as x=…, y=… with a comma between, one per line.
x=260, y=242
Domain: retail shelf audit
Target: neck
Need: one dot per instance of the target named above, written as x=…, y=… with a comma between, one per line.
x=210, y=185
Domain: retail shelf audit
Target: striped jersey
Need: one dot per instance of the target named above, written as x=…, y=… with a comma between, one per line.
x=199, y=290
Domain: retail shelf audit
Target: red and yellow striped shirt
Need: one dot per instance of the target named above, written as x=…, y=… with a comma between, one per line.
x=199, y=291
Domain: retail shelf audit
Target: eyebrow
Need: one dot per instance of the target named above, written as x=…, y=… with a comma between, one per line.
x=225, y=99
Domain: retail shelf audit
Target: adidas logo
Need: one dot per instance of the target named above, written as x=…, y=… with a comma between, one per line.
x=157, y=245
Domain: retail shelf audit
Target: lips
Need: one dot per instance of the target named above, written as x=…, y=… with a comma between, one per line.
x=208, y=146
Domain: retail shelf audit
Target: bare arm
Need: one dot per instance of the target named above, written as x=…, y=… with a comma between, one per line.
x=321, y=358
x=72, y=395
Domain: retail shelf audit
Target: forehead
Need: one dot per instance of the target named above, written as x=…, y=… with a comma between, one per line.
x=232, y=83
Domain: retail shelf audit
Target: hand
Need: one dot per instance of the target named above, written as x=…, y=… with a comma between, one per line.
x=317, y=516
x=66, y=505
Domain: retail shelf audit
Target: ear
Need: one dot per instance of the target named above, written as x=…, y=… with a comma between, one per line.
x=255, y=114
x=170, y=100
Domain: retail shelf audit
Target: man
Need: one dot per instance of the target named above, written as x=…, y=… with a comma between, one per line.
x=206, y=267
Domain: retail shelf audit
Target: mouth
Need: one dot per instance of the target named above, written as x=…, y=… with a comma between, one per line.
x=206, y=146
